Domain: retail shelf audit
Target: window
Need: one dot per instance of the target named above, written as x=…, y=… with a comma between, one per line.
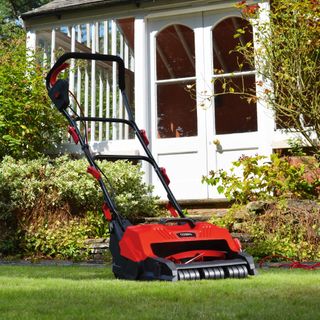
x=175, y=66
x=232, y=75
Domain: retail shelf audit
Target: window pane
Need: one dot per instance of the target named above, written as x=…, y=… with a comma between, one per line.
x=233, y=113
x=175, y=53
x=225, y=60
x=177, y=113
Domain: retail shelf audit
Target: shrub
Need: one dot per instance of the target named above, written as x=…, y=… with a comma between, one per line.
x=63, y=238
x=274, y=203
x=289, y=228
x=290, y=34
x=49, y=185
x=28, y=123
x=254, y=178
x=59, y=239
x=50, y=206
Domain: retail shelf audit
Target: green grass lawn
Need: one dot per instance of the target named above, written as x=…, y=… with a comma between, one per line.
x=78, y=292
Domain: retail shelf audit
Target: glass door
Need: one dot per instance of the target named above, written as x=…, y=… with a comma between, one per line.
x=233, y=121
x=178, y=139
x=202, y=117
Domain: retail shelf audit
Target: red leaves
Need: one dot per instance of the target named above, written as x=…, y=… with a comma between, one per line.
x=247, y=10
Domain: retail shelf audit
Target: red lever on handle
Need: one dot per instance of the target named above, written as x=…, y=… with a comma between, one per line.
x=165, y=176
x=54, y=75
x=94, y=172
x=106, y=212
x=144, y=137
x=73, y=134
x=172, y=210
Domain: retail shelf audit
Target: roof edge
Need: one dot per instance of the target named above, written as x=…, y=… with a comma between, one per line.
x=42, y=11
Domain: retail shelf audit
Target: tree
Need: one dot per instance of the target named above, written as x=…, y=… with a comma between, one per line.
x=287, y=57
x=12, y=9
x=28, y=124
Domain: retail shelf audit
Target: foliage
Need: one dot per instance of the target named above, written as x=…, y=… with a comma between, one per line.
x=59, y=239
x=270, y=206
x=287, y=59
x=64, y=238
x=51, y=206
x=254, y=178
x=28, y=124
x=12, y=9
x=289, y=228
x=132, y=196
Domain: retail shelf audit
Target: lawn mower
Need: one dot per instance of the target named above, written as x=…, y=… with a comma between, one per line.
x=175, y=248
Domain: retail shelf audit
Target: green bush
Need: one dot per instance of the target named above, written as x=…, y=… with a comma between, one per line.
x=59, y=239
x=49, y=185
x=48, y=207
x=275, y=203
x=258, y=178
x=289, y=228
x=28, y=123
x=63, y=238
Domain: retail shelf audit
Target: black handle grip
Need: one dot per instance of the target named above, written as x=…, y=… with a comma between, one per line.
x=178, y=220
x=89, y=56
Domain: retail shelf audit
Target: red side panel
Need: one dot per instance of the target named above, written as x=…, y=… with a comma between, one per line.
x=138, y=241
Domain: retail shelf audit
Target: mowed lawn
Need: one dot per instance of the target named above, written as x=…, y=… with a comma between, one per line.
x=81, y=292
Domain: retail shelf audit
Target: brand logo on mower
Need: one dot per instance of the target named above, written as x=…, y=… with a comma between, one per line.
x=186, y=234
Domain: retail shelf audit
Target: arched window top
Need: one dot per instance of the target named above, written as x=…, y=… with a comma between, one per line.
x=175, y=52
x=226, y=36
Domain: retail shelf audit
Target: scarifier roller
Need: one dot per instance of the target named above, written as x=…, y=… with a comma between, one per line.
x=176, y=248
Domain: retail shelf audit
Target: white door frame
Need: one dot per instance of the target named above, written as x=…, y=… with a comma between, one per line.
x=186, y=152
x=209, y=156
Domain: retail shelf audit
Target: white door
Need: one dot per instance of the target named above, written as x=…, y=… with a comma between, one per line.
x=232, y=121
x=190, y=58
x=177, y=124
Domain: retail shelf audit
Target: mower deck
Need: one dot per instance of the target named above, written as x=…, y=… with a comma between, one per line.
x=178, y=252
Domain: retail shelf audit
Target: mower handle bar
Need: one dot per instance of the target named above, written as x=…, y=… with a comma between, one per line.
x=51, y=83
x=58, y=66
x=178, y=220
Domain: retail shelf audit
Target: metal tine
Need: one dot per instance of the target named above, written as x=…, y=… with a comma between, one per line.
x=186, y=274
x=180, y=275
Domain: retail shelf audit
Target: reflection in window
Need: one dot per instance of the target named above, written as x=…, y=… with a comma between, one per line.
x=176, y=109
x=175, y=53
x=177, y=113
x=225, y=59
x=233, y=113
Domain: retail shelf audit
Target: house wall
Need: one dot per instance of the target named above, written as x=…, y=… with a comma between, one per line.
x=186, y=157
